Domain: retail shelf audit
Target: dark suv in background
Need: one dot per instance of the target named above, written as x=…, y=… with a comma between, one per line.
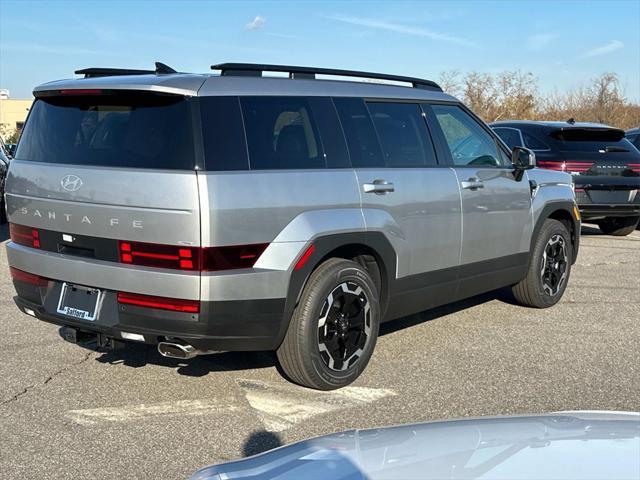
x=605, y=166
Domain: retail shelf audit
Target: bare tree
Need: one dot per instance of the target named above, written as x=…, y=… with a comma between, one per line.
x=515, y=95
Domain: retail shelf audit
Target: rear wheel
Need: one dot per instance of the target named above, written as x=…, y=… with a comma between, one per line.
x=549, y=267
x=333, y=329
x=618, y=226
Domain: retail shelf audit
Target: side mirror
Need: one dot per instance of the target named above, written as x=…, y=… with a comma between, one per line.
x=523, y=158
x=11, y=149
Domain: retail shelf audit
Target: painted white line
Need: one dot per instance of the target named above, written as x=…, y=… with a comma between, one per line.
x=281, y=407
x=152, y=410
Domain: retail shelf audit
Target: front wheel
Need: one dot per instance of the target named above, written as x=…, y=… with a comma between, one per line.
x=333, y=329
x=618, y=226
x=549, y=267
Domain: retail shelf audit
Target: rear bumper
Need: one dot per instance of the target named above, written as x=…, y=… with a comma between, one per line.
x=238, y=311
x=612, y=199
x=592, y=211
x=226, y=326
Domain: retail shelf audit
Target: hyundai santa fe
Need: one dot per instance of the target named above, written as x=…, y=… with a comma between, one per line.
x=237, y=211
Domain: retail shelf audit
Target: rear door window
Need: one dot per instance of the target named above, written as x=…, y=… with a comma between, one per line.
x=281, y=133
x=510, y=136
x=403, y=134
x=534, y=143
x=362, y=141
x=126, y=129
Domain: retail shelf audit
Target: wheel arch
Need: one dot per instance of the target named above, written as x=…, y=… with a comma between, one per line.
x=372, y=250
x=564, y=212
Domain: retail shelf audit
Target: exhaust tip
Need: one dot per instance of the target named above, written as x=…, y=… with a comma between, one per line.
x=177, y=350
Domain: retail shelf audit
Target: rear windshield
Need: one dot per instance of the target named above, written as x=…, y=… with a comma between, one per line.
x=124, y=130
x=592, y=140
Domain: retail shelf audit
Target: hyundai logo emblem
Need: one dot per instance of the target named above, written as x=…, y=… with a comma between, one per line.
x=71, y=183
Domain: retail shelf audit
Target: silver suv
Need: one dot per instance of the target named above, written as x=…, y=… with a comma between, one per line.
x=237, y=211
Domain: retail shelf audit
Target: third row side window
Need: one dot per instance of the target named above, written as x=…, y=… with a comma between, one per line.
x=281, y=133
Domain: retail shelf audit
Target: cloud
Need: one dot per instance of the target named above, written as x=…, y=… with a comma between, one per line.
x=256, y=24
x=610, y=47
x=399, y=28
x=540, y=40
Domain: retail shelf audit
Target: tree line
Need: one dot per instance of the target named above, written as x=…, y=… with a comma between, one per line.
x=514, y=95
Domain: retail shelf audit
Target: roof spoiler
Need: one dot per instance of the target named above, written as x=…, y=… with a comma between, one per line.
x=94, y=72
x=257, y=69
x=588, y=134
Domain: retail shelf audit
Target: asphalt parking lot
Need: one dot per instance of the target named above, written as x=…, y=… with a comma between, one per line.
x=67, y=412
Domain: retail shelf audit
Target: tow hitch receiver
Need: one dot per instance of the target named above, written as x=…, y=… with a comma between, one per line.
x=73, y=335
x=88, y=339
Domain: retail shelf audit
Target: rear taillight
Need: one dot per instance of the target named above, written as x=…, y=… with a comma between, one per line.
x=161, y=256
x=634, y=167
x=162, y=303
x=551, y=165
x=26, y=277
x=190, y=258
x=27, y=236
x=567, y=166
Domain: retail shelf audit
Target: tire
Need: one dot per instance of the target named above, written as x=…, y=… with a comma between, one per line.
x=538, y=289
x=618, y=226
x=335, y=287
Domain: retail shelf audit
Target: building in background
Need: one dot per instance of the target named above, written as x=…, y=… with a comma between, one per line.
x=13, y=113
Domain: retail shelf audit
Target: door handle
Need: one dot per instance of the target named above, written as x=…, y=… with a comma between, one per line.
x=473, y=183
x=379, y=187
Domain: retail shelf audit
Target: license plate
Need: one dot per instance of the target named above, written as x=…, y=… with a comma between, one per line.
x=79, y=302
x=617, y=196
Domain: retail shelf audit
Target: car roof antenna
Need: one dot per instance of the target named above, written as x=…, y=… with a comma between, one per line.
x=162, y=68
x=571, y=120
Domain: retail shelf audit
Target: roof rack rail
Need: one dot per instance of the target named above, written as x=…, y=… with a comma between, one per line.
x=94, y=72
x=256, y=69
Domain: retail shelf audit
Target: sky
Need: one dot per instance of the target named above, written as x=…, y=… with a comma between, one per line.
x=563, y=43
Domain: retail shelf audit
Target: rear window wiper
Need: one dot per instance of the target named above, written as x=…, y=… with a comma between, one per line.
x=614, y=149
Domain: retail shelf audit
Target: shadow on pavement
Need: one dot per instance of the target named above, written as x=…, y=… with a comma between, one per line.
x=590, y=230
x=504, y=295
x=136, y=356
x=259, y=442
x=139, y=355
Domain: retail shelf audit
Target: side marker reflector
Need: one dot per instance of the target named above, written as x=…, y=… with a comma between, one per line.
x=305, y=256
x=576, y=212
